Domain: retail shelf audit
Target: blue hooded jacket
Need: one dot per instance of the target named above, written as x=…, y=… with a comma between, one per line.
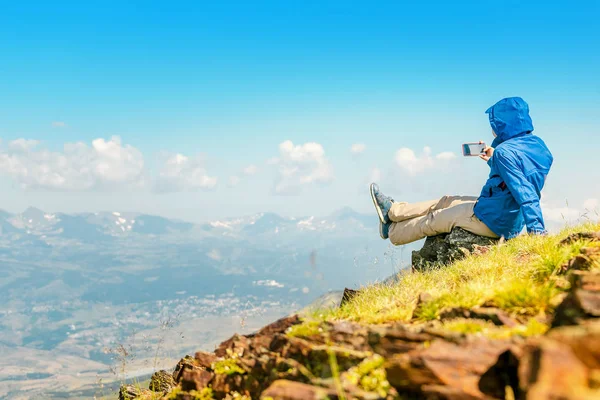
x=510, y=199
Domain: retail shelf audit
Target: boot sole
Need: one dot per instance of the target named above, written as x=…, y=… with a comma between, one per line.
x=381, y=231
x=377, y=208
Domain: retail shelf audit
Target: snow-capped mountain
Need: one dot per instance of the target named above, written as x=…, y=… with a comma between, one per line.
x=87, y=226
x=95, y=226
x=342, y=222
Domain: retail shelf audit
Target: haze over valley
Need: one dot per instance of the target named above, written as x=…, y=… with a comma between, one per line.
x=90, y=298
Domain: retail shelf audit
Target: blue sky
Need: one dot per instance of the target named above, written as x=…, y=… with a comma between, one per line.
x=198, y=93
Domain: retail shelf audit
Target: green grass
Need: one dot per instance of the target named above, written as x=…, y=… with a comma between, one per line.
x=308, y=328
x=370, y=375
x=520, y=276
x=227, y=366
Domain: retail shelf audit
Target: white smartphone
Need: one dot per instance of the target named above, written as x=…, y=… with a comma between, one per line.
x=473, y=149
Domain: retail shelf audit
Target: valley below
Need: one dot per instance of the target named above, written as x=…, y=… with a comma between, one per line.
x=94, y=299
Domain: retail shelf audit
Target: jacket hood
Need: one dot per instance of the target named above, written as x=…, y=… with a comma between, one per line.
x=509, y=118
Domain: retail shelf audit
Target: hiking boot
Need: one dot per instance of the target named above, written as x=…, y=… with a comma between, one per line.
x=384, y=230
x=382, y=203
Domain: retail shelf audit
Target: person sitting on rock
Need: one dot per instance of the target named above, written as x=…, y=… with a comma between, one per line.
x=509, y=200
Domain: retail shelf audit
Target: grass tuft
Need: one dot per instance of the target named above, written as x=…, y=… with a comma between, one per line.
x=228, y=366
x=307, y=329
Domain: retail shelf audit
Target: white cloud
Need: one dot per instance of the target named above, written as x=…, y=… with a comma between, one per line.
x=250, y=170
x=214, y=254
x=569, y=214
x=180, y=173
x=559, y=214
x=233, y=181
x=22, y=145
x=300, y=165
x=357, y=148
x=59, y=124
x=412, y=164
x=445, y=155
x=591, y=204
x=104, y=164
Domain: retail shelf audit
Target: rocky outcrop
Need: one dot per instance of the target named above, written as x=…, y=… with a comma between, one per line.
x=446, y=248
x=407, y=360
x=162, y=381
x=582, y=302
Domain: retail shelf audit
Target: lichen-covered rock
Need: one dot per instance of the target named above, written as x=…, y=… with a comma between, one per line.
x=162, y=381
x=449, y=247
x=135, y=392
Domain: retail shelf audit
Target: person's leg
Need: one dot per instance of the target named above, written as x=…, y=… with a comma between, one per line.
x=401, y=211
x=437, y=222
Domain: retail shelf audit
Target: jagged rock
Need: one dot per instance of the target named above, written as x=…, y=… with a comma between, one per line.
x=162, y=381
x=204, y=359
x=584, y=341
x=195, y=379
x=237, y=344
x=316, y=356
x=348, y=295
x=342, y=333
x=186, y=363
x=549, y=370
x=494, y=315
x=582, y=302
x=261, y=340
x=562, y=365
x=279, y=326
x=441, y=392
x=458, y=366
x=134, y=392
x=503, y=374
x=348, y=334
x=396, y=339
x=446, y=248
x=223, y=384
x=289, y=390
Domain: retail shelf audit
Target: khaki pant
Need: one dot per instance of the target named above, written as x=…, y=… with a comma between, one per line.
x=411, y=222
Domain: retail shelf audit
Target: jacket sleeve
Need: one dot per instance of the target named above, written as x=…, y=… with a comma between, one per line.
x=522, y=190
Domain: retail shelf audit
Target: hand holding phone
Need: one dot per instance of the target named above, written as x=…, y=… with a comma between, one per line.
x=488, y=152
x=474, y=149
